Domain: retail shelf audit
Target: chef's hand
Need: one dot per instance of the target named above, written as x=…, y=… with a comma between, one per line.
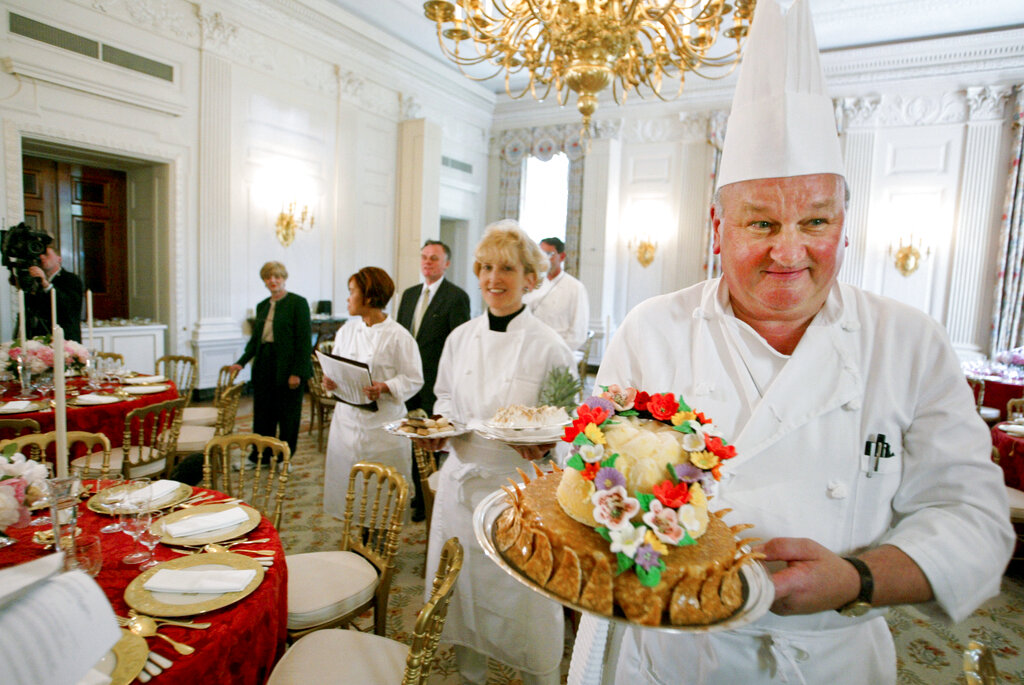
x=37, y=272
x=815, y=578
x=329, y=384
x=373, y=392
x=533, y=452
x=293, y=381
x=431, y=444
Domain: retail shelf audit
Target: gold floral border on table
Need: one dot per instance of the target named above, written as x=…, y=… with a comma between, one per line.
x=97, y=502
x=142, y=600
x=218, y=535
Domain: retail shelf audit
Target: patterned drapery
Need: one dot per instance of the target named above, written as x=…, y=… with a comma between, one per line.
x=716, y=137
x=544, y=142
x=1007, y=324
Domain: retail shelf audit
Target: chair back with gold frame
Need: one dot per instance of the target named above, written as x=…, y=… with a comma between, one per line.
x=427, y=632
x=263, y=487
x=321, y=403
x=116, y=356
x=426, y=464
x=182, y=370
x=227, y=408
x=374, y=513
x=1015, y=409
x=38, y=443
x=15, y=428
x=151, y=438
x=225, y=379
x=978, y=388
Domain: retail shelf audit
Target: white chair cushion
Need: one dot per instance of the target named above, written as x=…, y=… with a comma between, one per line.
x=988, y=413
x=341, y=656
x=325, y=585
x=199, y=416
x=1016, y=498
x=194, y=438
x=94, y=462
x=433, y=480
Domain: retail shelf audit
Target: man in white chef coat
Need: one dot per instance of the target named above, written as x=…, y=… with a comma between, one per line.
x=802, y=374
x=560, y=300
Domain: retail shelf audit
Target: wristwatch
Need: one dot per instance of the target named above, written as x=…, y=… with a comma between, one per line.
x=862, y=603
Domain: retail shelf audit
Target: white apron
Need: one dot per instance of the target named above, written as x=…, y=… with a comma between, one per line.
x=357, y=434
x=811, y=425
x=480, y=371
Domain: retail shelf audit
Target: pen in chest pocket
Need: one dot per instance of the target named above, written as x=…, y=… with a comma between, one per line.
x=879, y=449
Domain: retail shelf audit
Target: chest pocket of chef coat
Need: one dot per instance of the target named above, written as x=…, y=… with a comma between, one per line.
x=875, y=493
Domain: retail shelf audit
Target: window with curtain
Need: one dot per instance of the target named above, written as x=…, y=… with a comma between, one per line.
x=544, y=197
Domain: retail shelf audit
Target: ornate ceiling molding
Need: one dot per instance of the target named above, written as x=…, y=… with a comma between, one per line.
x=173, y=19
x=987, y=103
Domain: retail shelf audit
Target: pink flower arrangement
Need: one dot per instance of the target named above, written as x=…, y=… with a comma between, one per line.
x=38, y=355
x=21, y=482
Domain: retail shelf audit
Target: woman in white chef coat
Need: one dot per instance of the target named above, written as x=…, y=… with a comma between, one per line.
x=494, y=360
x=372, y=337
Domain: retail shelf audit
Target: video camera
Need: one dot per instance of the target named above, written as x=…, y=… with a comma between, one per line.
x=20, y=248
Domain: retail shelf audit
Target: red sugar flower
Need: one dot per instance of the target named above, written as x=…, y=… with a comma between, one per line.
x=702, y=419
x=590, y=471
x=663, y=406
x=641, y=400
x=672, y=495
x=715, y=446
x=594, y=415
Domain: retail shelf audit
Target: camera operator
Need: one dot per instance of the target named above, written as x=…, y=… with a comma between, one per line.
x=51, y=276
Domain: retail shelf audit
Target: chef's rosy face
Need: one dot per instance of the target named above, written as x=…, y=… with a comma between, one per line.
x=503, y=285
x=781, y=242
x=355, y=300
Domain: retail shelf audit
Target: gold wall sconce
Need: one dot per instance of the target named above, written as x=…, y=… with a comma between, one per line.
x=288, y=224
x=645, y=249
x=907, y=258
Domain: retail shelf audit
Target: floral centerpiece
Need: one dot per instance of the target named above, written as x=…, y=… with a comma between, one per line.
x=38, y=355
x=641, y=525
x=1014, y=357
x=21, y=485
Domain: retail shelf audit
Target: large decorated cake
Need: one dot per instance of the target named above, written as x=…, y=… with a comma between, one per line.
x=626, y=525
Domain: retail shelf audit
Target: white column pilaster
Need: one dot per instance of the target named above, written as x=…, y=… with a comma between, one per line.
x=858, y=152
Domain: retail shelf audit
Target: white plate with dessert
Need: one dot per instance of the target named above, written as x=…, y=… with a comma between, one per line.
x=425, y=427
x=520, y=425
x=758, y=590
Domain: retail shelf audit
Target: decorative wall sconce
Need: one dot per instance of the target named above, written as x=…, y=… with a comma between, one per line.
x=645, y=248
x=907, y=258
x=287, y=223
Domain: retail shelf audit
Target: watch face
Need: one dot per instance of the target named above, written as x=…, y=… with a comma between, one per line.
x=854, y=609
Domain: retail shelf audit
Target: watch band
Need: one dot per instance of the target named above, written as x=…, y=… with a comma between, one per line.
x=862, y=603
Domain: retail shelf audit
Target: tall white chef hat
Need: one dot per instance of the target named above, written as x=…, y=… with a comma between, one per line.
x=782, y=122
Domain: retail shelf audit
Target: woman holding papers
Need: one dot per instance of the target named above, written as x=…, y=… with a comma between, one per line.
x=280, y=349
x=374, y=338
x=494, y=360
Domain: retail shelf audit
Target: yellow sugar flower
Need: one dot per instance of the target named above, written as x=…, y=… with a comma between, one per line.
x=679, y=417
x=704, y=459
x=594, y=434
x=657, y=545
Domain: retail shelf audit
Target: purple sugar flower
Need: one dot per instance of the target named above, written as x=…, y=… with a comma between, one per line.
x=646, y=557
x=688, y=473
x=594, y=402
x=607, y=478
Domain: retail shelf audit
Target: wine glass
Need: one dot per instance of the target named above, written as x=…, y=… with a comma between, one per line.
x=135, y=523
x=150, y=538
x=114, y=526
x=88, y=554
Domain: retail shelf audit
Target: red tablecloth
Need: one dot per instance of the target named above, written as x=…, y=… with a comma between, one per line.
x=102, y=418
x=246, y=638
x=1011, y=456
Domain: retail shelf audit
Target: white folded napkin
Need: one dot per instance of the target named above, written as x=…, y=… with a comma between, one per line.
x=204, y=523
x=93, y=398
x=169, y=580
x=152, y=493
x=137, y=380
x=144, y=389
x=1012, y=429
x=16, y=406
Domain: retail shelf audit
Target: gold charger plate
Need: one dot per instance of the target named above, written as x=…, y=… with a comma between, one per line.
x=106, y=399
x=144, y=389
x=98, y=503
x=33, y=405
x=125, y=660
x=213, y=535
x=166, y=604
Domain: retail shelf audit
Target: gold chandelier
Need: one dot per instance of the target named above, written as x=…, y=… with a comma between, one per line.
x=587, y=45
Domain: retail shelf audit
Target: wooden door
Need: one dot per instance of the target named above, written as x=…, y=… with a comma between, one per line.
x=84, y=209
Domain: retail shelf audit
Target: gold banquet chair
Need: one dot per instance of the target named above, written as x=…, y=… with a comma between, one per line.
x=150, y=439
x=349, y=656
x=192, y=438
x=97, y=448
x=1014, y=409
x=989, y=414
x=182, y=370
x=426, y=464
x=207, y=416
x=329, y=589
x=263, y=487
x=15, y=428
x=321, y=403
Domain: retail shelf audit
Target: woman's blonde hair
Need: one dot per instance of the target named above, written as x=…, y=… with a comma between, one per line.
x=273, y=269
x=505, y=242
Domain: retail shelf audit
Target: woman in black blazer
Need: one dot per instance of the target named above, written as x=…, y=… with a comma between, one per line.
x=280, y=347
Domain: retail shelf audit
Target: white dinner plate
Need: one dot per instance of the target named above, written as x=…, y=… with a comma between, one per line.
x=395, y=428
x=143, y=380
x=144, y=389
x=519, y=438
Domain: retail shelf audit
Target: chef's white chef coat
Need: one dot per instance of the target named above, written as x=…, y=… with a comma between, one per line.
x=561, y=302
x=358, y=434
x=480, y=371
x=865, y=366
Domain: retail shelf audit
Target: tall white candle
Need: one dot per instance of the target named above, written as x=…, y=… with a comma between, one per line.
x=21, y=317
x=88, y=314
x=61, y=412
x=53, y=309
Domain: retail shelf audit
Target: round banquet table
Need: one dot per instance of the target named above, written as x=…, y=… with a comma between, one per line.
x=999, y=391
x=246, y=638
x=100, y=418
x=1011, y=456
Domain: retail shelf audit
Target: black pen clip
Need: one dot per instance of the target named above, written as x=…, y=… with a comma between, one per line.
x=879, y=449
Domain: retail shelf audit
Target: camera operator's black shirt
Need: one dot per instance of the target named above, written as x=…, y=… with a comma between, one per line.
x=69, y=308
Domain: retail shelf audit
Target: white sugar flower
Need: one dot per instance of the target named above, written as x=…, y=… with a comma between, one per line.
x=687, y=517
x=591, y=453
x=626, y=540
x=693, y=442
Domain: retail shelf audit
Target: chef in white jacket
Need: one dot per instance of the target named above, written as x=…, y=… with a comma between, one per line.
x=804, y=376
x=357, y=434
x=560, y=300
x=494, y=360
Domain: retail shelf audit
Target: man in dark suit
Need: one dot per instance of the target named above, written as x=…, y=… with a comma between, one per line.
x=431, y=311
x=38, y=317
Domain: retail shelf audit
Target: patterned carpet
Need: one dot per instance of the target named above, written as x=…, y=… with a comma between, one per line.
x=928, y=653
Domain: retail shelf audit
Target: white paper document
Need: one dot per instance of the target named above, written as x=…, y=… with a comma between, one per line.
x=56, y=629
x=350, y=376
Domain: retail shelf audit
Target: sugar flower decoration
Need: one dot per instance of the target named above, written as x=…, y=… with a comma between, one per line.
x=621, y=399
x=646, y=557
x=626, y=540
x=608, y=478
x=687, y=517
x=663, y=523
x=614, y=508
x=592, y=453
